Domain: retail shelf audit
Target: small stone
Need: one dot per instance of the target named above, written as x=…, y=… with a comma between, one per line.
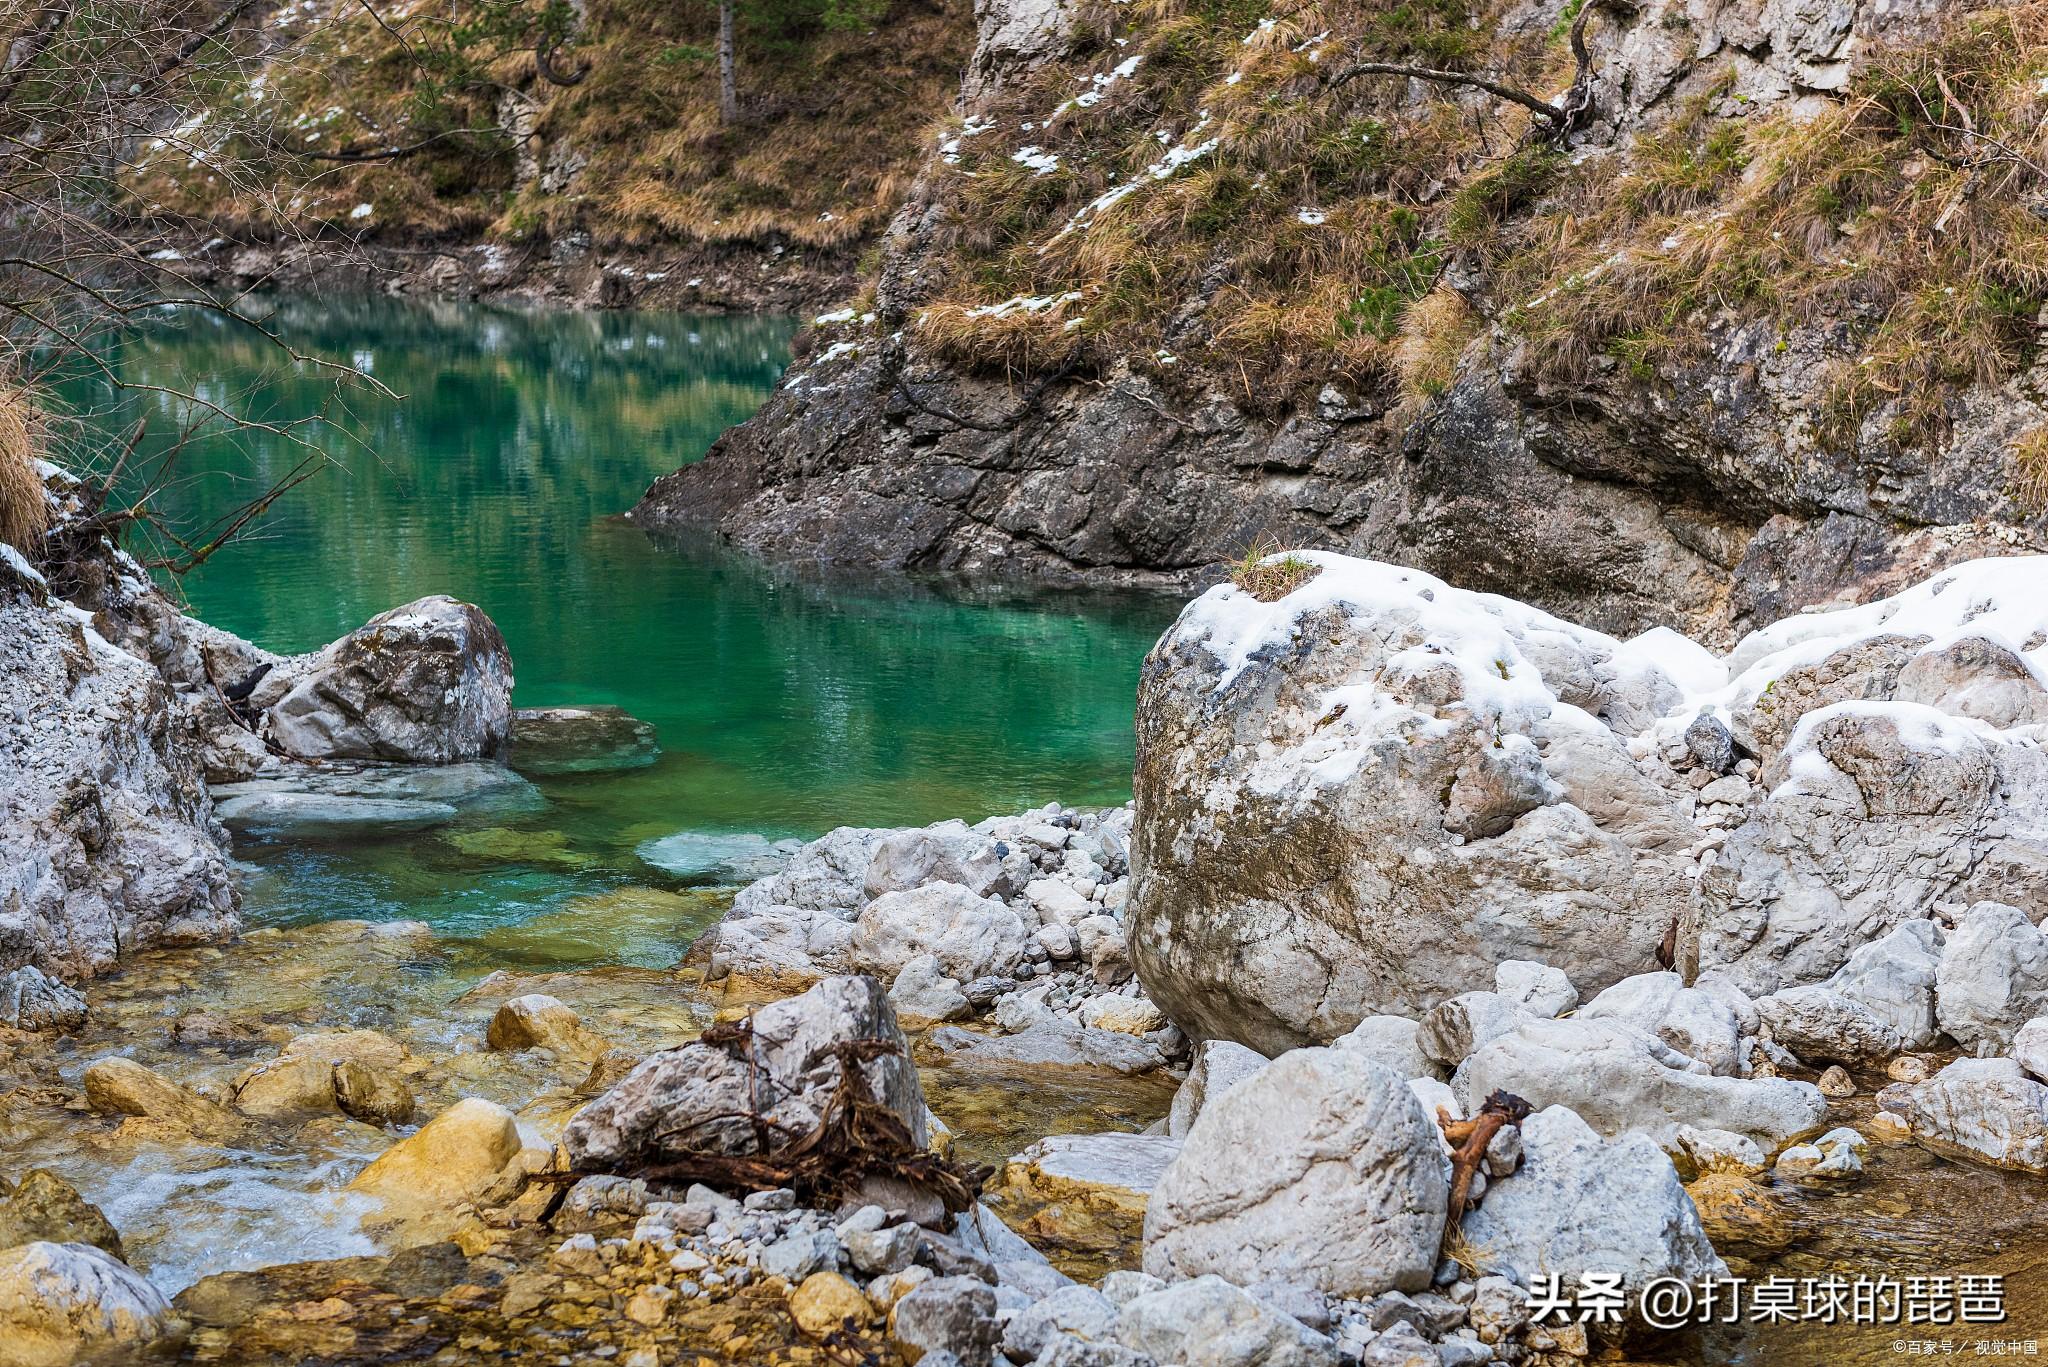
x=947, y=1314
x=649, y=1306
x=827, y=1301
x=1889, y=1128
x=776, y=1199
x=372, y=1097
x=1799, y=1160
x=1836, y=1082
x=884, y=1250
x=1908, y=1068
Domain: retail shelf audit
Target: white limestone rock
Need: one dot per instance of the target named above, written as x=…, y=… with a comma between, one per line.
x=1393, y=1041
x=1697, y=1024
x=1987, y=1110
x=1581, y=1203
x=1219, y=1065
x=1207, y=1322
x=1320, y=1169
x=1618, y=1078
x=1993, y=975
x=1822, y=1025
x=1894, y=978
x=1538, y=988
x=970, y=936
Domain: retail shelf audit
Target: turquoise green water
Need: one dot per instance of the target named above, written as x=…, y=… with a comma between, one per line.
x=786, y=703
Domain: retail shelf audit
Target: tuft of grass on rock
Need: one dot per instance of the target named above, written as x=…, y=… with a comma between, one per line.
x=1270, y=575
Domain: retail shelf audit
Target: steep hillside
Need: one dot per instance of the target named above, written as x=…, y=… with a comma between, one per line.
x=1737, y=312
x=610, y=177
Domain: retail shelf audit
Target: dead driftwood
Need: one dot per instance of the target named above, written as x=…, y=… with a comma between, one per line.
x=857, y=1138
x=1468, y=1140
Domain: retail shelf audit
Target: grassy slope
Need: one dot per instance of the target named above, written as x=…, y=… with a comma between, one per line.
x=1302, y=237
x=834, y=137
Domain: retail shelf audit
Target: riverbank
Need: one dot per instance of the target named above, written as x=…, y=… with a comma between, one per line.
x=568, y=272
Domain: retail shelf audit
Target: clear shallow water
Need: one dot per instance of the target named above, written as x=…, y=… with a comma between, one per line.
x=786, y=703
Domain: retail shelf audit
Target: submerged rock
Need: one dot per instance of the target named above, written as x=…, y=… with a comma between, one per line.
x=1321, y=1169
x=426, y=683
x=319, y=816
x=579, y=740
x=120, y=1086
x=1086, y=1193
x=538, y=1021
x=737, y=857
x=59, y=1301
x=457, y=1156
x=43, y=1206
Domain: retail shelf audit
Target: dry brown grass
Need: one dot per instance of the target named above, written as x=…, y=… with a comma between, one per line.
x=824, y=158
x=24, y=511
x=2030, y=459
x=1878, y=214
x=1270, y=574
x=1282, y=259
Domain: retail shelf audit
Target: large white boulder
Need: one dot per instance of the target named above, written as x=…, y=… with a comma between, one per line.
x=1320, y=1169
x=1695, y=1023
x=1993, y=975
x=59, y=1302
x=1894, y=978
x=1580, y=1203
x=426, y=683
x=1618, y=1078
x=1984, y=1109
x=1364, y=796
x=970, y=936
x=1822, y=1025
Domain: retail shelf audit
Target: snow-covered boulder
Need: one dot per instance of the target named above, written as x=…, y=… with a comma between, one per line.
x=1364, y=796
x=1899, y=770
x=1319, y=1169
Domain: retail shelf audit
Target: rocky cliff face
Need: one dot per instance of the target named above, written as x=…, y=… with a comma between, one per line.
x=107, y=839
x=1721, y=352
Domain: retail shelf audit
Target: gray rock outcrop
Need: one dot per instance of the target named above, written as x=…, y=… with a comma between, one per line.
x=1581, y=1203
x=785, y=1066
x=1319, y=1169
x=426, y=683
